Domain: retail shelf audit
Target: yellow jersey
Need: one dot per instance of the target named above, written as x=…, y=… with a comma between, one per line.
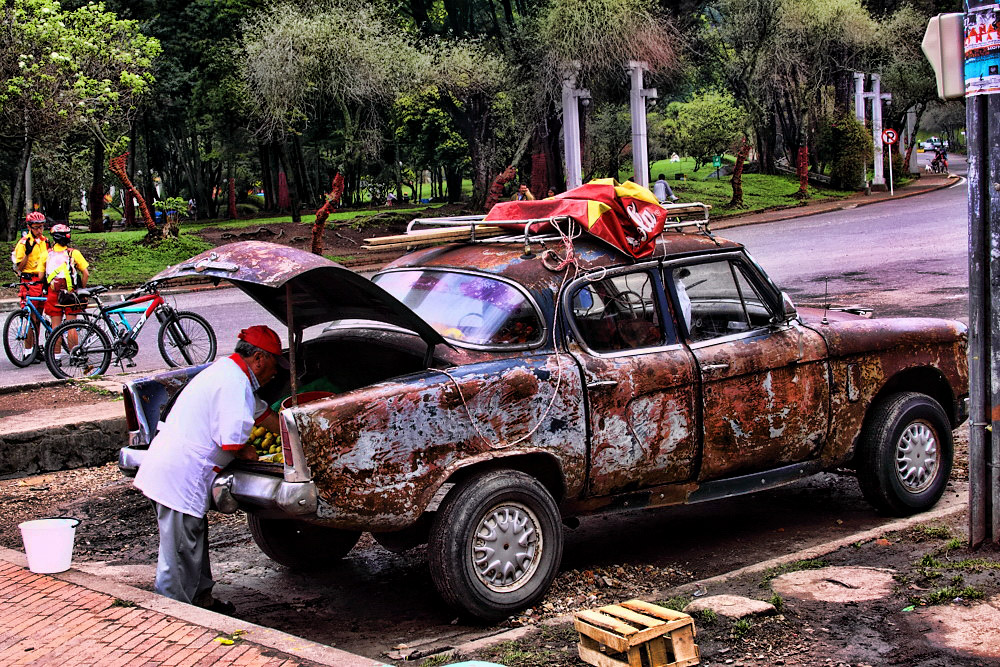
x=36, y=259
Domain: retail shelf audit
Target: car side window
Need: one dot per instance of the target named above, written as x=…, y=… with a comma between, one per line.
x=717, y=299
x=619, y=313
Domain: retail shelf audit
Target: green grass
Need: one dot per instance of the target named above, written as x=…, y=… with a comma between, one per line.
x=513, y=654
x=947, y=594
x=437, y=660
x=708, y=617
x=124, y=261
x=307, y=220
x=677, y=603
x=742, y=627
x=778, y=602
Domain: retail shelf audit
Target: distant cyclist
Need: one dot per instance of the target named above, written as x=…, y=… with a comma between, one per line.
x=29, y=257
x=65, y=271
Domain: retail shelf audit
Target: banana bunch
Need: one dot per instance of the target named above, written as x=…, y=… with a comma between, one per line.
x=267, y=444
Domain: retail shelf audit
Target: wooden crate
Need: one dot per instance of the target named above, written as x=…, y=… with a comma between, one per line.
x=636, y=634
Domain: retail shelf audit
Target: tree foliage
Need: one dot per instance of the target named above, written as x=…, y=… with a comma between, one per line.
x=709, y=124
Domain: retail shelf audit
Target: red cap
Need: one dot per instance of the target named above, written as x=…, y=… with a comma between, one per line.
x=266, y=339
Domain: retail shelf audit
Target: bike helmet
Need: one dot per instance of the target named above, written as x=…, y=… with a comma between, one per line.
x=60, y=234
x=34, y=217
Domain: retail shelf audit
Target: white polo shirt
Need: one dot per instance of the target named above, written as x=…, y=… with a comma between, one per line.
x=211, y=420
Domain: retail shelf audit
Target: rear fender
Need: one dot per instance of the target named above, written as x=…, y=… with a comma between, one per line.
x=379, y=454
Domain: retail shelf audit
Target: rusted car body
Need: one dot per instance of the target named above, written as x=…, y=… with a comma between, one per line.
x=486, y=393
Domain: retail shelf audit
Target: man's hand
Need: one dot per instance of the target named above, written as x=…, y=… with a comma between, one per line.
x=247, y=453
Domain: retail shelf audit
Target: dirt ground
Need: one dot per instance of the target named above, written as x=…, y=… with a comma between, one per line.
x=608, y=559
x=19, y=402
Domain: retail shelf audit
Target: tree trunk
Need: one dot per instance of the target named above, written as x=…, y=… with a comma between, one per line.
x=293, y=192
x=266, y=176
x=331, y=204
x=97, y=188
x=803, y=172
x=737, y=180
x=17, y=192
x=232, y=199
x=496, y=190
x=128, y=214
x=453, y=179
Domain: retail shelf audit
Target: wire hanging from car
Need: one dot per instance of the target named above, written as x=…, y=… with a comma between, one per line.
x=569, y=263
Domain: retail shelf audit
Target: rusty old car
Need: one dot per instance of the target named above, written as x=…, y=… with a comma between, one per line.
x=489, y=391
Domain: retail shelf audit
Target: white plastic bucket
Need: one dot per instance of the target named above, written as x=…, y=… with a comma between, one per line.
x=48, y=543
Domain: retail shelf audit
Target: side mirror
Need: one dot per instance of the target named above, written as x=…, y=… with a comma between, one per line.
x=788, y=311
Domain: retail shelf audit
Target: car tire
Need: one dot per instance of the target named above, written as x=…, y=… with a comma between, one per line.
x=905, y=454
x=300, y=545
x=475, y=565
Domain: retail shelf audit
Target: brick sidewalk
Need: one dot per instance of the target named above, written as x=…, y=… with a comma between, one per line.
x=46, y=620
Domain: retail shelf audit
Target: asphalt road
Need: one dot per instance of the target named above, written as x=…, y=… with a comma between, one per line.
x=907, y=257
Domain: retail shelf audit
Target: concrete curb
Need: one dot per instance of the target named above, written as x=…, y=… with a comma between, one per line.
x=809, y=553
x=256, y=634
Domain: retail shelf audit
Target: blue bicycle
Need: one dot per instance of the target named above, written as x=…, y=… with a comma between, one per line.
x=22, y=324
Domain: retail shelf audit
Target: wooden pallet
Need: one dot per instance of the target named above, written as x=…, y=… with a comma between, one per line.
x=636, y=634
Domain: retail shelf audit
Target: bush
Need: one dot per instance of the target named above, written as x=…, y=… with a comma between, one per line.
x=846, y=145
x=83, y=217
x=247, y=210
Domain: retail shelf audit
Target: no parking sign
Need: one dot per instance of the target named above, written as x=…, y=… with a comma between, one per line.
x=889, y=135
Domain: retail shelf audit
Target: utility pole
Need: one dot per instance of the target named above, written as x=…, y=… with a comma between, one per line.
x=28, y=208
x=571, y=96
x=638, y=96
x=982, y=106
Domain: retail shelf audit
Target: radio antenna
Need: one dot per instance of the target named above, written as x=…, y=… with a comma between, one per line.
x=826, y=299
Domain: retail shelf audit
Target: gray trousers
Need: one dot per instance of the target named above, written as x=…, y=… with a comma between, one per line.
x=182, y=569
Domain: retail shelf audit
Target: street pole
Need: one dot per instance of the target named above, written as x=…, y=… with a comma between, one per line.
x=28, y=208
x=859, y=113
x=981, y=111
x=637, y=104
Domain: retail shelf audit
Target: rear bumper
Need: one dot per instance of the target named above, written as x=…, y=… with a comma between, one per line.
x=253, y=491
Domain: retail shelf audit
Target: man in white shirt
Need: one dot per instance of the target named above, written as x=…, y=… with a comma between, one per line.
x=662, y=190
x=206, y=429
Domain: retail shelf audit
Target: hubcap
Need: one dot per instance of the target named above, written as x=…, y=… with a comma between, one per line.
x=917, y=457
x=506, y=547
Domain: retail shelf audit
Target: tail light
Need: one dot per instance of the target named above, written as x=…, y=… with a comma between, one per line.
x=286, y=447
x=131, y=420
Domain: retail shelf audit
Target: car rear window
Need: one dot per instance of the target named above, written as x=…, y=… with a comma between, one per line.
x=465, y=307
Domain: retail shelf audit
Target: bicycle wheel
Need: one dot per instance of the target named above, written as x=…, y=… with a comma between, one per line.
x=187, y=339
x=15, y=335
x=85, y=350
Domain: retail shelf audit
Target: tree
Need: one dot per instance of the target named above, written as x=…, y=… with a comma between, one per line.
x=61, y=69
x=709, y=124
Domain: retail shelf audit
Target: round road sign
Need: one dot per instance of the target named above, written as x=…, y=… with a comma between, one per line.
x=889, y=135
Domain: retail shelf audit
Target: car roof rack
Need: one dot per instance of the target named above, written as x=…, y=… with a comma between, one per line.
x=475, y=229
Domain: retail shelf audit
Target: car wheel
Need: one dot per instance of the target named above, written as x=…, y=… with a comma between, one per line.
x=496, y=544
x=300, y=545
x=905, y=454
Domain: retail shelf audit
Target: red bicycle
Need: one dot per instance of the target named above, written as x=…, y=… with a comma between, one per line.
x=87, y=347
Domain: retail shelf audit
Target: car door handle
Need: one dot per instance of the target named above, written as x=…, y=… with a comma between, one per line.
x=714, y=367
x=602, y=383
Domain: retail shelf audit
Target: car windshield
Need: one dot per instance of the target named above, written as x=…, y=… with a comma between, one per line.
x=466, y=307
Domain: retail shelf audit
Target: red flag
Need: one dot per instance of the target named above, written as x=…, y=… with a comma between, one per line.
x=625, y=215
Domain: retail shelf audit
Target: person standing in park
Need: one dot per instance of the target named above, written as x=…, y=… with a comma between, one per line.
x=29, y=257
x=523, y=193
x=65, y=271
x=207, y=429
x=662, y=190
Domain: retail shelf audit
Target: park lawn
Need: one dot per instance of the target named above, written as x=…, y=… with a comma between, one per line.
x=760, y=192
x=125, y=261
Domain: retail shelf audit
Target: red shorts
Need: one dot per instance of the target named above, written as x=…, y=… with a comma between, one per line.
x=52, y=306
x=32, y=287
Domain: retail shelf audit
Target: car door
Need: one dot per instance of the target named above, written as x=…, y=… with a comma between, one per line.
x=640, y=382
x=764, y=382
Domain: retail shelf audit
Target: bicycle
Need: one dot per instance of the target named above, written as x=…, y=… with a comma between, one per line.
x=184, y=338
x=16, y=328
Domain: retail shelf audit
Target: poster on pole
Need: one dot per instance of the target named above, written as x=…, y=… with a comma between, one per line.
x=982, y=49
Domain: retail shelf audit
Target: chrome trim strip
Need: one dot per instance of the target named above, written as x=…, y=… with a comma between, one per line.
x=299, y=471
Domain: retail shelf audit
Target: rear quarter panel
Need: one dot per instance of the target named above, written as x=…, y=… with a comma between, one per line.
x=869, y=358
x=379, y=454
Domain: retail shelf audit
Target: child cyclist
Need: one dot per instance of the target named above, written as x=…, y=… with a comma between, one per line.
x=65, y=271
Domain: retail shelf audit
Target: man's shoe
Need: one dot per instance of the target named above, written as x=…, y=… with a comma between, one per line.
x=220, y=607
x=674, y=198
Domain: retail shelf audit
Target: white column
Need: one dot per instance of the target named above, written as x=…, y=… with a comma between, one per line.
x=911, y=120
x=859, y=97
x=878, y=179
x=637, y=104
x=571, y=130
